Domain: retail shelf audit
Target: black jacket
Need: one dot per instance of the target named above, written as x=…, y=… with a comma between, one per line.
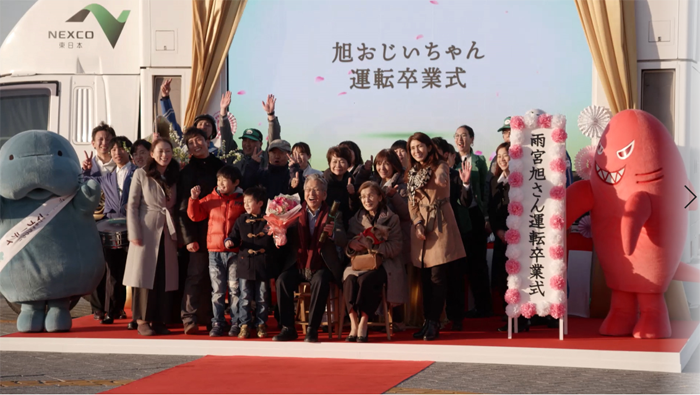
x=276, y=179
x=460, y=200
x=498, y=205
x=200, y=172
x=249, y=236
x=338, y=190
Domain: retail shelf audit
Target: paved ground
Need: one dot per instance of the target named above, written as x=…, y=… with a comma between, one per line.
x=23, y=372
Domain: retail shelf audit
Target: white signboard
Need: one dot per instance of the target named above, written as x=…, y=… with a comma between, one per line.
x=537, y=214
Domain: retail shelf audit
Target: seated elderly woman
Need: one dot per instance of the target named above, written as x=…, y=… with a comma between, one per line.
x=375, y=230
x=306, y=258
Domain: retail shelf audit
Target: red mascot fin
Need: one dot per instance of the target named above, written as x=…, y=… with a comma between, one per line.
x=637, y=212
x=688, y=273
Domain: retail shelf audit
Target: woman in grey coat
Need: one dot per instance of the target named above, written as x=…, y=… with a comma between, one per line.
x=151, y=264
x=362, y=289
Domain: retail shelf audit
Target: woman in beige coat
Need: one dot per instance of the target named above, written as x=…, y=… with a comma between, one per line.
x=362, y=289
x=435, y=239
x=151, y=264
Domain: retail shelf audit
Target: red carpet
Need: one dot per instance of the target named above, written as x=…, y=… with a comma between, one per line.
x=583, y=334
x=261, y=375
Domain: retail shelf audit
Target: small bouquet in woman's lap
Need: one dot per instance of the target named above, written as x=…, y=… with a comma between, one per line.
x=282, y=212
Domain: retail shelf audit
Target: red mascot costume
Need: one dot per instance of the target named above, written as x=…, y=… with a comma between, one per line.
x=636, y=197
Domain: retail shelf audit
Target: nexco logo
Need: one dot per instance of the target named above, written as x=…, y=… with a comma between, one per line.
x=111, y=26
x=78, y=35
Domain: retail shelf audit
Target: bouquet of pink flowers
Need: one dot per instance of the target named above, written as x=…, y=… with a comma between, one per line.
x=282, y=212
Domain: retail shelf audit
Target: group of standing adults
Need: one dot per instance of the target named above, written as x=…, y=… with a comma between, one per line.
x=425, y=208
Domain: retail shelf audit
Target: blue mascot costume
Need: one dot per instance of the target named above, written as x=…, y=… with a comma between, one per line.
x=50, y=249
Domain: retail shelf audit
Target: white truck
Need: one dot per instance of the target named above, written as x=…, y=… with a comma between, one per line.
x=68, y=65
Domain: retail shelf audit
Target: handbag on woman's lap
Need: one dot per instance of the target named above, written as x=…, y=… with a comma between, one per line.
x=366, y=262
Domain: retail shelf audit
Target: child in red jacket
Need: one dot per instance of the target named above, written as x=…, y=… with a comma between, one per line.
x=223, y=207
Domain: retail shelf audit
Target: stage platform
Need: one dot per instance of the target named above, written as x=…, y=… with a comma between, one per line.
x=583, y=347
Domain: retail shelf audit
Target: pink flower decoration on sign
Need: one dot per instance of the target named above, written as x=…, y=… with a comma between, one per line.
x=515, y=179
x=557, y=310
x=434, y=2
x=259, y=123
x=342, y=93
x=512, y=236
x=319, y=79
x=479, y=153
x=557, y=252
x=491, y=157
x=557, y=222
x=557, y=282
x=418, y=37
x=515, y=151
x=557, y=192
x=349, y=72
x=512, y=296
x=544, y=121
x=241, y=92
x=515, y=208
x=512, y=266
x=517, y=122
x=559, y=135
x=558, y=165
x=528, y=310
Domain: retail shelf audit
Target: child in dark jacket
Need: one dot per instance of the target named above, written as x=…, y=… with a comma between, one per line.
x=255, y=261
x=222, y=207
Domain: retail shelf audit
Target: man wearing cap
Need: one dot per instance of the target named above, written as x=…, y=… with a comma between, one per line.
x=282, y=176
x=252, y=139
x=204, y=122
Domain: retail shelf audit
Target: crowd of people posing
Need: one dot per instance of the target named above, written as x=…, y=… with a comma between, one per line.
x=197, y=233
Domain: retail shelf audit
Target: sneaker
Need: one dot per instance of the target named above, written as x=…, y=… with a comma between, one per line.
x=234, y=331
x=216, y=331
x=245, y=332
x=262, y=331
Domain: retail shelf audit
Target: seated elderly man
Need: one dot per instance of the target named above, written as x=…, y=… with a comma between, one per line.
x=305, y=258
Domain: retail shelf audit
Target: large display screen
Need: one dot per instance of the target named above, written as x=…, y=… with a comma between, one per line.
x=377, y=71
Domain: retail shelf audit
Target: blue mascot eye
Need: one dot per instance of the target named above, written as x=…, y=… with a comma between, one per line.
x=60, y=153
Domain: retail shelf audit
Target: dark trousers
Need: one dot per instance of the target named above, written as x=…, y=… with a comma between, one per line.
x=477, y=268
x=363, y=293
x=434, y=284
x=153, y=305
x=499, y=276
x=454, y=297
x=288, y=283
x=115, y=291
x=97, y=297
x=196, y=302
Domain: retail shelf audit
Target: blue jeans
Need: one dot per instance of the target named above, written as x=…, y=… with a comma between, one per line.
x=222, y=272
x=258, y=291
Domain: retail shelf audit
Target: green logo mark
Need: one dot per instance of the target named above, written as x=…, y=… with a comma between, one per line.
x=111, y=26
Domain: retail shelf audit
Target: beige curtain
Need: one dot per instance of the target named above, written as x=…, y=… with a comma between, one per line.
x=612, y=38
x=214, y=23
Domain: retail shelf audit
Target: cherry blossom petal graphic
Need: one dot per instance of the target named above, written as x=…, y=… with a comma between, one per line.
x=349, y=72
x=418, y=37
x=342, y=93
x=319, y=79
x=241, y=92
x=434, y=2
